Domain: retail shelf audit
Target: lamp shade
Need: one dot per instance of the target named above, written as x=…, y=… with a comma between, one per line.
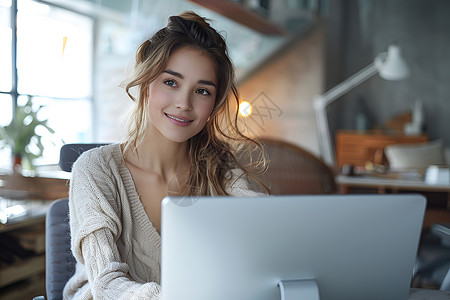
x=391, y=65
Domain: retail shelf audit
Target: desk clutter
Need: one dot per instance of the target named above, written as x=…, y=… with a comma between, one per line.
x=356, y=148
x=436, y=174
x=392, y=156
x=18, y=210
x=415, y=155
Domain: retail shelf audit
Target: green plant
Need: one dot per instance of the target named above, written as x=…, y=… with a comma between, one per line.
x=20, y=135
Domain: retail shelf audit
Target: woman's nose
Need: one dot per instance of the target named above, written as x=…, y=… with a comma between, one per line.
x=183, y=101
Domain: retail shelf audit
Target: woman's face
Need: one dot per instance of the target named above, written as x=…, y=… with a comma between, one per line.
x=182, y=97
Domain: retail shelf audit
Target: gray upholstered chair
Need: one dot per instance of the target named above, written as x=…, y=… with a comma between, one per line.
x=60, y=263
x=70, y=152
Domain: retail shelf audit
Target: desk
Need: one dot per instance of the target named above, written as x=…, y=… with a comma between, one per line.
x=438, y=210
x=384, y=183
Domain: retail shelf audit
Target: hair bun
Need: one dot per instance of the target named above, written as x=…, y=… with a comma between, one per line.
x=192, y=16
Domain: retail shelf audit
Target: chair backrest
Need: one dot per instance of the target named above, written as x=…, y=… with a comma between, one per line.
x=60, y=263
x=294, y=170
x=70, y=152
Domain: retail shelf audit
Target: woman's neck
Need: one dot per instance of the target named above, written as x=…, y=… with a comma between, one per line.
x=160, y=156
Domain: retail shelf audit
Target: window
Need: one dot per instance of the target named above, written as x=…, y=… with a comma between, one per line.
x=54, y=51
x=54, y=59
x=5, y=47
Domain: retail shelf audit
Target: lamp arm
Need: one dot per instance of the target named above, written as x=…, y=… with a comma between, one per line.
x=323, y=132
x=322, y=101
x=351, y=82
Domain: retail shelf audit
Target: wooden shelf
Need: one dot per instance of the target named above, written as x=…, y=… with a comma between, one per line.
x=26, y=289
x=22, y=224
x=24, y=278
x=241, y=15
x=24, y=269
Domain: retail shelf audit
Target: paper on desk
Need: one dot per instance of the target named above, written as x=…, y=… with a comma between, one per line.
x=12, y=210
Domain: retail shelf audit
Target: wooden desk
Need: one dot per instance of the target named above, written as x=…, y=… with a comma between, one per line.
x=383, y=184
x=438, y=195
x=44, y=188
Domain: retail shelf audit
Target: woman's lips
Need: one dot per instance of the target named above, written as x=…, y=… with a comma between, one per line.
x=178, y=120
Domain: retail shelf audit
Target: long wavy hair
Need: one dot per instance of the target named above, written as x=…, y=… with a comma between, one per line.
x=217, y=148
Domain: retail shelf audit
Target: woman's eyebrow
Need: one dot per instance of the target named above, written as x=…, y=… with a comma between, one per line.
x=179, y=75
x=207, y=82
x=176, y=74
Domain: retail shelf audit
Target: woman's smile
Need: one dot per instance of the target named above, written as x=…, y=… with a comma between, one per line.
x=178, y=120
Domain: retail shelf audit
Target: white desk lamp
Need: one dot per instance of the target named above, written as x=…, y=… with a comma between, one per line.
x=389, y=65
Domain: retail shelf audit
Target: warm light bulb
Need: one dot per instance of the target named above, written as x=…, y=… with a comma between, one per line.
x=245, y=109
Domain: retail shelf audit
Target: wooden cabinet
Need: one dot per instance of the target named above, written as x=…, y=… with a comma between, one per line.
x=357, y=148
x=25, y=277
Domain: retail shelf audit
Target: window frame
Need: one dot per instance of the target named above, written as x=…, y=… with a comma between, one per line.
x=14, y=92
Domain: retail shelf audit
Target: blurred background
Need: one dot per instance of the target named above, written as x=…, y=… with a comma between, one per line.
x=62, y=63
x=70, y=56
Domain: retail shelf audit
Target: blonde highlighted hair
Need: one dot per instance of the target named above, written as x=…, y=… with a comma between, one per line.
x=213, y=151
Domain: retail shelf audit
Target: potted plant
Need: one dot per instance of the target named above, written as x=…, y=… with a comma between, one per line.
x=21, y=137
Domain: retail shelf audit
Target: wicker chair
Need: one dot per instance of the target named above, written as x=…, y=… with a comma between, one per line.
x=294, y=170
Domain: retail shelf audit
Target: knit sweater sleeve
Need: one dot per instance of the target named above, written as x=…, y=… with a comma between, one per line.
x=95, y=228
x=240, y=187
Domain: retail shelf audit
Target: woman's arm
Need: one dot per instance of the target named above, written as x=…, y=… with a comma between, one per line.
x=107, y=274
x=96, y=225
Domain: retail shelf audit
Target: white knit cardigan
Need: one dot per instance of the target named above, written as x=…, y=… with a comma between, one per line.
x=114, y=242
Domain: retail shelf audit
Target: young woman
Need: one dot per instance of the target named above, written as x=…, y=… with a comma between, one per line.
x=175, y=145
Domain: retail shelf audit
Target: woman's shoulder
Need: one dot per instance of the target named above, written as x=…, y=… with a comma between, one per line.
x=240, y=185
x=97, y=158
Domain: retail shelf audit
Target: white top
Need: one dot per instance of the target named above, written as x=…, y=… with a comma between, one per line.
x=116, y=246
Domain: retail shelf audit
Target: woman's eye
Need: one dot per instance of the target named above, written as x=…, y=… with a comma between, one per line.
x=203, y=92
x=170, y=82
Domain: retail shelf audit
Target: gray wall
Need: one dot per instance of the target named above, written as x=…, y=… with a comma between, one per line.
x=359, y=30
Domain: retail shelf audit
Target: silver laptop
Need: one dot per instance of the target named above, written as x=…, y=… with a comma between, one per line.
x=346, y=246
